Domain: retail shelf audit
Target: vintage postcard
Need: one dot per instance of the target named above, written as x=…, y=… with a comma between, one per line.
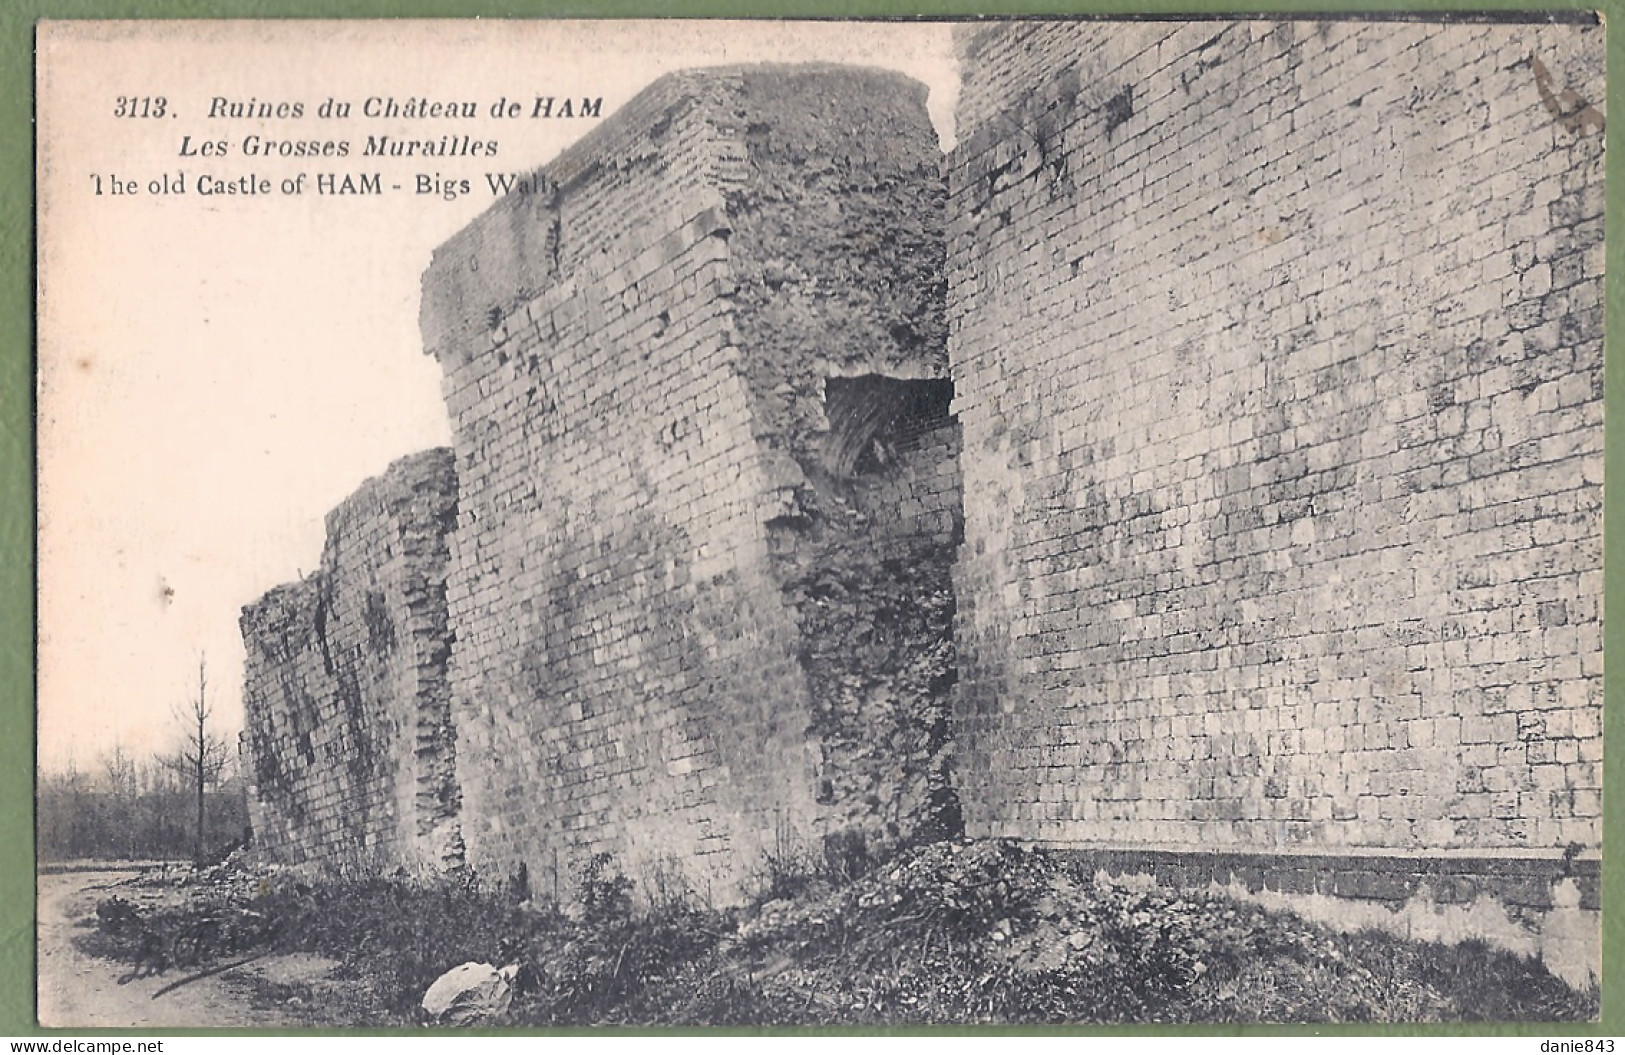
x=800, y=523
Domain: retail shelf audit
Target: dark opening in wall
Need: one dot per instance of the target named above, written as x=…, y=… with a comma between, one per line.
x=874, y=418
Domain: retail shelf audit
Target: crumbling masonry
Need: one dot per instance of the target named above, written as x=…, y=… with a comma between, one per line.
x=349, y=732
x=698, y=599
x=1277, y=354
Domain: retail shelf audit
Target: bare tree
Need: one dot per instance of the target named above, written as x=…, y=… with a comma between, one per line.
x=76, y=785
x=202, y=754
x=124, y=794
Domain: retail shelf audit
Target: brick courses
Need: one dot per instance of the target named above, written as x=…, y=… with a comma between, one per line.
x=348, y=732
x=636, y=348
x=1276, y=411
x=635, y=360
x=1278, y=356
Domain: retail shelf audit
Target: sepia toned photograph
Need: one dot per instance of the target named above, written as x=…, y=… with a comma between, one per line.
x=846, y=523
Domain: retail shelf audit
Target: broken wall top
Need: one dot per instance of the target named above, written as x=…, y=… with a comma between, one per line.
x=419, y=487
x=714, y=139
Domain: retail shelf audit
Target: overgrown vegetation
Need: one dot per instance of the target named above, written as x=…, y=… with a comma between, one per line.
x=954, y=932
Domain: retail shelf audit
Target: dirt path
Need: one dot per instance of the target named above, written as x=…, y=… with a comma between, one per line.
x=76, y=989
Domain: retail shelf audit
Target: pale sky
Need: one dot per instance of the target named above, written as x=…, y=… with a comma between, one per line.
x=217, y=373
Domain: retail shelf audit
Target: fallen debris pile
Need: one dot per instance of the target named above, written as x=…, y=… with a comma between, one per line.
x=953, y=932
x=184, y=917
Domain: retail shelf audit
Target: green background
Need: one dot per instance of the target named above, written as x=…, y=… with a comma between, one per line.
x=17, y=18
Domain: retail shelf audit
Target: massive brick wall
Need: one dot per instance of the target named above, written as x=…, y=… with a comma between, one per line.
x=348, y=732
x=1277, y=351
x=1276, y=360
x=635, y=355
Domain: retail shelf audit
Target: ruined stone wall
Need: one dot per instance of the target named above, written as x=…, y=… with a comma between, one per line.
x=917, y=497
x=867, y=568
x=635, y=352
x=838, y=251
x=348, y=736
x=1277, y=351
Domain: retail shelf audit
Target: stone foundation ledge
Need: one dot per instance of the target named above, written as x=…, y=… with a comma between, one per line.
x=1537, y=903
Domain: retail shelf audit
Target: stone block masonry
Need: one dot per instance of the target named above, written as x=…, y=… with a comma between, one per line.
x=636, y=351
x=1205, y=477
x=1277, y=351
x=348, y=734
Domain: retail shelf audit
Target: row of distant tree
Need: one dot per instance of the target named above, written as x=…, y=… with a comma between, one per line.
x=190, y=802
